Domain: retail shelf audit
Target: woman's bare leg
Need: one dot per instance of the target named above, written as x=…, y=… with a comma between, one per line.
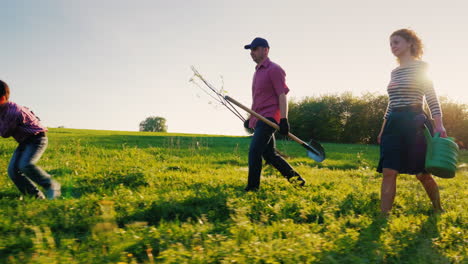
x=388, y=190
x=432, y=190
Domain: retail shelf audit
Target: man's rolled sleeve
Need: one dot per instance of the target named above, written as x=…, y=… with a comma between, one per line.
x=278, y=79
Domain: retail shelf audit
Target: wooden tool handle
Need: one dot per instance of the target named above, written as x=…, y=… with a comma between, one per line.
x=266, y=121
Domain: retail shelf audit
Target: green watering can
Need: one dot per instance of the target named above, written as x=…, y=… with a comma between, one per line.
x=441, y=155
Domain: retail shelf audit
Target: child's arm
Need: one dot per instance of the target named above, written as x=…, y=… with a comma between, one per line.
x=8, y=133
x=9, y=126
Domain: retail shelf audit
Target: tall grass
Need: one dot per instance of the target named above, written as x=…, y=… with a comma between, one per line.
x=131, y=197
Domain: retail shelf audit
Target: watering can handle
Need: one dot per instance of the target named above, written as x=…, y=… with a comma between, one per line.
x=427, y=134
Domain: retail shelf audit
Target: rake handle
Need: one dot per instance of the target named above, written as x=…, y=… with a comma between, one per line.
x=266, y=121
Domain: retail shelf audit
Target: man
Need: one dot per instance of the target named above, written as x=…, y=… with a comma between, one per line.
x=269, y=91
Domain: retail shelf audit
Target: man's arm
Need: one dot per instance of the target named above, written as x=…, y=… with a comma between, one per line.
x=278, y=79
x=283, y=105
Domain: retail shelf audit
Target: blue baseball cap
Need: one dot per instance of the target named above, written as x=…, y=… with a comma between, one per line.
x=257, y=42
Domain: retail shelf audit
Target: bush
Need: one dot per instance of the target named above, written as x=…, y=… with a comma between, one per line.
x=351, y=119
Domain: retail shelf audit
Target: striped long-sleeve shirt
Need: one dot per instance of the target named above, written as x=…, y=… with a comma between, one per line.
x=18, y=122
x=408, y=86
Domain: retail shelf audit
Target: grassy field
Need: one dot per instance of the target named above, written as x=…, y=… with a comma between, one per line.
x=132, y=197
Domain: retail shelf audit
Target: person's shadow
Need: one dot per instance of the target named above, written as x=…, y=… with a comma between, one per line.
x=365, y=249
x=368, y=247
x=420, y=247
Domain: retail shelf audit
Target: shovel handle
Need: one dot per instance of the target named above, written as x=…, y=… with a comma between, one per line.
x=266, y=121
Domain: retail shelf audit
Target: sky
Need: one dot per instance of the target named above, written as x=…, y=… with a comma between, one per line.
x=109, y=64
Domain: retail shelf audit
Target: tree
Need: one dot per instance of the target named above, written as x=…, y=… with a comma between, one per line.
x=154, y=124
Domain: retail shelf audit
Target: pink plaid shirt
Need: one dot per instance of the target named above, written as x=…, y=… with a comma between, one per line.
x=18, y=122
x=269, y=82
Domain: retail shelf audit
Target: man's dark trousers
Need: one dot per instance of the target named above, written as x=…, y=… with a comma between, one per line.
x=263, y=144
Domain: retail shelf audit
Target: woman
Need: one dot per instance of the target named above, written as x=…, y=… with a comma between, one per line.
x=402, y=142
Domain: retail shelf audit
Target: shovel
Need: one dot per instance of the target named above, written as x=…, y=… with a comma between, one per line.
x=314, y=150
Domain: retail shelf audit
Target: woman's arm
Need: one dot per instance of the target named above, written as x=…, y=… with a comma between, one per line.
x=379, y=137
x=439, y=126
x=434, y=106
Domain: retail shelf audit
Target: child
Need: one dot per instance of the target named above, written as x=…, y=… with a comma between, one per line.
x=21, y=124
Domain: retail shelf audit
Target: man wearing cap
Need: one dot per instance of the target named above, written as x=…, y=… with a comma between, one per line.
x=269, y=91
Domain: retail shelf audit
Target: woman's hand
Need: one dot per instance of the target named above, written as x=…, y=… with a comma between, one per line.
x=440, y=129
x=379, y=137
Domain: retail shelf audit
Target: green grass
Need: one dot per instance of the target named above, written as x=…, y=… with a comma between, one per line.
x=133, y=197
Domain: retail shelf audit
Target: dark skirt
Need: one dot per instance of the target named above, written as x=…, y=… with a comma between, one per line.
x=403, y=145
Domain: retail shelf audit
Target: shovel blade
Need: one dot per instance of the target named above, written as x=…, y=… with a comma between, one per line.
x=315, y=150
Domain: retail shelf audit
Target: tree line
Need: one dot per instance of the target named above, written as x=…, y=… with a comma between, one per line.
x=346, y=118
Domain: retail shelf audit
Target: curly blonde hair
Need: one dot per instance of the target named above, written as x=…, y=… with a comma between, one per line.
x=411, y=36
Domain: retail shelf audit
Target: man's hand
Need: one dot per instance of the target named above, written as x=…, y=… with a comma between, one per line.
x=284, y=126
x=246, y=123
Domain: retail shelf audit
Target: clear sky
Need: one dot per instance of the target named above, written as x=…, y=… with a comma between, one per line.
x=109, y=64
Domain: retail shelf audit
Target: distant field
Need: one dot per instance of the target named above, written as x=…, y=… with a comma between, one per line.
x=131, y=197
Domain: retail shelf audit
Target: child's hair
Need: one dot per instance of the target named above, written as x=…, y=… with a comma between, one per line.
x=411, y=36
x=4, y=90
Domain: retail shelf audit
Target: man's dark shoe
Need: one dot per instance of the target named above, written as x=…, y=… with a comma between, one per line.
x=297, y=179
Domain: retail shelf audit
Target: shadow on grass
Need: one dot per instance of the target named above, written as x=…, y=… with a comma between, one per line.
x=231, y=162
x=209, y=204
x=106, y=183
x=341, y=166
x=337, y=164
x=60, y=172
x=174, y=142
x=364, y=250
x=420, y=248
x=10, y=194
x=359, y=204
x=22, y=244
x=367, y=248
